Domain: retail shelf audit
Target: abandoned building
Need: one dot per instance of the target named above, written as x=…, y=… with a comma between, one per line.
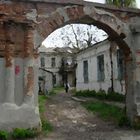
x=101, y=67
x=25, y=24
x=56, y=67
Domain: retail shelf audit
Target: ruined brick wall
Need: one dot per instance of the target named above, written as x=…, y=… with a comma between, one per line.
x=23, y=26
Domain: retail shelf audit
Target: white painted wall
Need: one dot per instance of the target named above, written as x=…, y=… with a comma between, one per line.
x=48, y=67
x=90, y=55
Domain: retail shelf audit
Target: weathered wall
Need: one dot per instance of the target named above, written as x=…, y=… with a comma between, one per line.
x=2, y=79
x=48, y=66
x=24, y=24
x=91, y=54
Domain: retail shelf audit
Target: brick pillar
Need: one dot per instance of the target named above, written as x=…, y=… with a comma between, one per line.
x=29, y=67
x=10, y=73
x=133, y=81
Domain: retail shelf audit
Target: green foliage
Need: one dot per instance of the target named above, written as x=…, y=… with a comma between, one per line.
x=4, y=135
x=73, y=91
x=124, y=121
x=102, y=95
x=108, y=112
x=56, y=90
x=52, y=92
x=86, y=93
x=20, y=133
x=46, y=126
x=121, y=3
x=114, y=96
x=42, y=101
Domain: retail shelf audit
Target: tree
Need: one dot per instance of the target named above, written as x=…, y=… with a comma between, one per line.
x=76, y=36
x=122, y=3
x=81, y=36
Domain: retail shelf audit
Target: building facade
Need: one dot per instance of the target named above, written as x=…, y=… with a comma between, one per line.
x=101, y=67
x=56, y=67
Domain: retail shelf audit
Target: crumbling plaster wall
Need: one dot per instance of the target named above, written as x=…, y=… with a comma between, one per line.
x=22, y=22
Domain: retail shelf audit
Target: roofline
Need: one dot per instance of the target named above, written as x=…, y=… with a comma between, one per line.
x=86, y=3
x=63, y=2
x=94, y=45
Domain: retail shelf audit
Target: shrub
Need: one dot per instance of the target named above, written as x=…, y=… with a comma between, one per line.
x=4, y=135
x=124, y=121
x=52, y=92
x=101, y=95
x=116, y=96
x=20, y=133
x=46, y=126
x=86, y=93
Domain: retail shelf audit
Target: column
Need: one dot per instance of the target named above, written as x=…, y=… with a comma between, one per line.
x=29, y=67
x=10, y=73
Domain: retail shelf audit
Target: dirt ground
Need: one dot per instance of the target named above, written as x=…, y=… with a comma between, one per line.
x=71, y=121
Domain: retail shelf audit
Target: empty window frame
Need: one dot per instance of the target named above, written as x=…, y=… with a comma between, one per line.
x=53, y=62
x=120, y=64
x=100, y=67
x=54, y=80
x=85, y=71
x=42, y=62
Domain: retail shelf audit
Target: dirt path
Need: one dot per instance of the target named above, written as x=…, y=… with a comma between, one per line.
x=73, y=122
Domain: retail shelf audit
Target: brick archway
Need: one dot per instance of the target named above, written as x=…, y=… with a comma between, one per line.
x=25, y=24
x=106, y=21
x=118, y=31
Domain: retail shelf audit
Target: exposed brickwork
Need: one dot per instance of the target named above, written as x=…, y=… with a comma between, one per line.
x=75, y=12
x=28, y=48
x=9, y=54
x=30, y=81
x=19, y=20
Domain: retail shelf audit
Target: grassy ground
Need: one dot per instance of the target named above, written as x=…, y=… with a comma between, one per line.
x=46, y=126
x=108, y=112
x=56, y=90
x=101, y=95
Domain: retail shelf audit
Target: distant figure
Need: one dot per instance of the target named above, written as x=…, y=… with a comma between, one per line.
x=67, y=86
x=46, y=90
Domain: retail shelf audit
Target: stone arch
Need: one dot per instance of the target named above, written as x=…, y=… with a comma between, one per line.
x=113, y=26
x=25, y=24
x=117, y=30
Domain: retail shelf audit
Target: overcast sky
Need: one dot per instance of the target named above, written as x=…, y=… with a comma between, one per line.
x=103, y=1
x=54, y=39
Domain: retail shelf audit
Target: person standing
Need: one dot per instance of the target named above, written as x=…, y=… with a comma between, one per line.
x=67, y=87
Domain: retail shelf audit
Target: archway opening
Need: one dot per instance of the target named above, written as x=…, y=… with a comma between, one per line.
x=116, y=35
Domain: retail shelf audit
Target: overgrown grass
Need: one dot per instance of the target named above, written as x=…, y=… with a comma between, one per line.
x=56, y=90
x=42, y=101
x=101, y=95
x=4, y=135
x=46, y=126
x=108, y=112
x=20, y=133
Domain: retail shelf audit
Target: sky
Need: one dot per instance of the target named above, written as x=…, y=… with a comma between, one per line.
x=54, y=39
x=103, y=1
